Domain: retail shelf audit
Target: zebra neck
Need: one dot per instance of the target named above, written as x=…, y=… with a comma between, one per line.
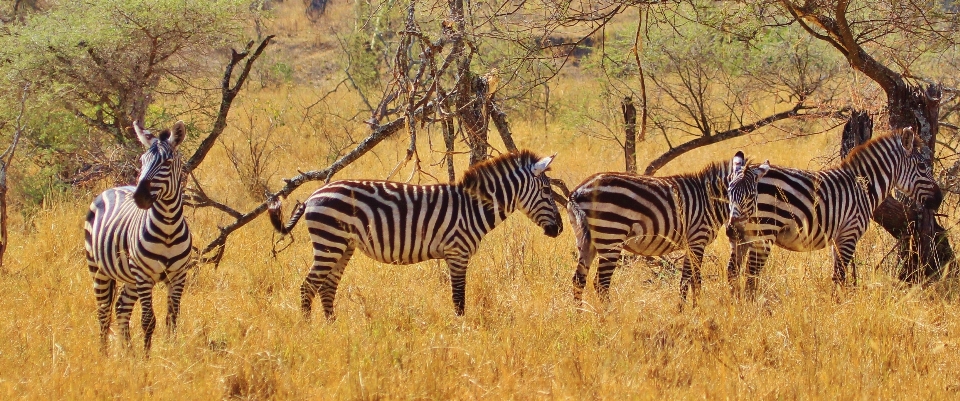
x=873, y=175
x=489, y=212
x=168, y=210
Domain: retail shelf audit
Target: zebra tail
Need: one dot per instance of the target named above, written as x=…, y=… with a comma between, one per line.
x=578, y=219
x=276, y=216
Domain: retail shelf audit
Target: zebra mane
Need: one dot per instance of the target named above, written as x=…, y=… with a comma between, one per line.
x=917, y=144
x=472, y=179
x=723, y=167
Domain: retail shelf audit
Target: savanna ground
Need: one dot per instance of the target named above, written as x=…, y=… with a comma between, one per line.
x=396, y=336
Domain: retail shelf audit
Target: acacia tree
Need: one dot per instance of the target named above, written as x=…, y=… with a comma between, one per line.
x=874, y=36
x=107, y=61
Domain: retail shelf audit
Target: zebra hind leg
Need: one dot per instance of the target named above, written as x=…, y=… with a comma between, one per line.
x=605, y=268
x=326, y=259
x=104, y=288
x=128, y=297
x=580, y=276
x=174, y=293
x=328, y=292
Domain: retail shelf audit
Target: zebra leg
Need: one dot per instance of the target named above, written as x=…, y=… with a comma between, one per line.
x=174, y=293
x=759, y=251
x=738, y=251
x=605, y=268
x=329, y=290
x=326, y=258
x=128, y=297
x=104, y=288
x=147, y=320
x=690, y=278
x=458, y=280
x=584, y=260
x=843, y=251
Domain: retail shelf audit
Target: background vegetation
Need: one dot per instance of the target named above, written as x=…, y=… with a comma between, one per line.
x=306, y=104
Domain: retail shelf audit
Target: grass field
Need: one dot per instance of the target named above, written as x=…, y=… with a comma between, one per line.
x=242, y=336
x=522, y=337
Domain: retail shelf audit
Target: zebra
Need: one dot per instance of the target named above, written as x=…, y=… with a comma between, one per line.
x=650, y=216
x=136, y=237
x=404, y=224
x=805, y=211
x=742, y=189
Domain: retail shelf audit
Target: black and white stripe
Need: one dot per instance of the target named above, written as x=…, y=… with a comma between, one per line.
x=809, y=210
x=136, y=237
x=399, y=223
x=651, y=216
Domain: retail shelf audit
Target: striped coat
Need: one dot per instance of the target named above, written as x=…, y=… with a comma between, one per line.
x=400, y=223
x=651, y=216
x=136, y=237
x=809, y=210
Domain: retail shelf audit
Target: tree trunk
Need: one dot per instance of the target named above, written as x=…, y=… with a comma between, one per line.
x=630, y=140
x=473, y=116
x=922, y=245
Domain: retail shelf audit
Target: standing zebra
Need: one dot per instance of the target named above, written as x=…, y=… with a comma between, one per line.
x=404, y=224
x=805, y=211
x=649, y=216
x=137, y=237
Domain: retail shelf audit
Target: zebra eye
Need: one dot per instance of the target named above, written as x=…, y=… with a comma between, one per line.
x=922, y=165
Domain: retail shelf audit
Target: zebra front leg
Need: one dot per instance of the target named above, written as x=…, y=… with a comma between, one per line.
x=174, y=293
x=128, y=297
x=104, y=289
x=759, y=251
x=843, y=251
x=738, y=251
x=147, y=319
x=690, y=279
x=458, y=280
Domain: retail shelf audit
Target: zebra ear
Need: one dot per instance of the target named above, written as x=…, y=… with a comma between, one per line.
x=737, y=162
x=542, y=165
x=177, y=133
x=145, y=137
x=908, y=139
x=763, y=168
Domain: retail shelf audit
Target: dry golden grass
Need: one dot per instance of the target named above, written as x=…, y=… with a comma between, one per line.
x=522, y=337
x=396, y=336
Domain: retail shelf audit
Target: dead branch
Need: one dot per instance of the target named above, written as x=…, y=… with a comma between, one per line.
x=228, y=94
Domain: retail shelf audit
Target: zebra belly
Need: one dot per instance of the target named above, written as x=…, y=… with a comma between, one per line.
x=651, y=245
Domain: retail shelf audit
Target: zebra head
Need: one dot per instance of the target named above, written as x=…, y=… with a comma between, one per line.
x=742, y=189
x=160, y=165
x=914, y=176
x=536, y=198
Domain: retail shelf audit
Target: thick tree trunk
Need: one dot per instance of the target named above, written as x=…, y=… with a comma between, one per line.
x=630, y=139
x=923, y=249
x=473, y=116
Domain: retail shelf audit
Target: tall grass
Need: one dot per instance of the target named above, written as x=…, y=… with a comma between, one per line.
x=396, y=336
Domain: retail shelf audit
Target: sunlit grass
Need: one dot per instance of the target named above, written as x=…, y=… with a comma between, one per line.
x=396, y=336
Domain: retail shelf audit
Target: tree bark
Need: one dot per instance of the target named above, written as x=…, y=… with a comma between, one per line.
x=630, y=140
x=922, y=244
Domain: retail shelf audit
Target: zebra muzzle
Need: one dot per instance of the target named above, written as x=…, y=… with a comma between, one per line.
x=551, y=230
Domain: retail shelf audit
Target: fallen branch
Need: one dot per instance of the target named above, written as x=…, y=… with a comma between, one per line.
x=379, y=134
